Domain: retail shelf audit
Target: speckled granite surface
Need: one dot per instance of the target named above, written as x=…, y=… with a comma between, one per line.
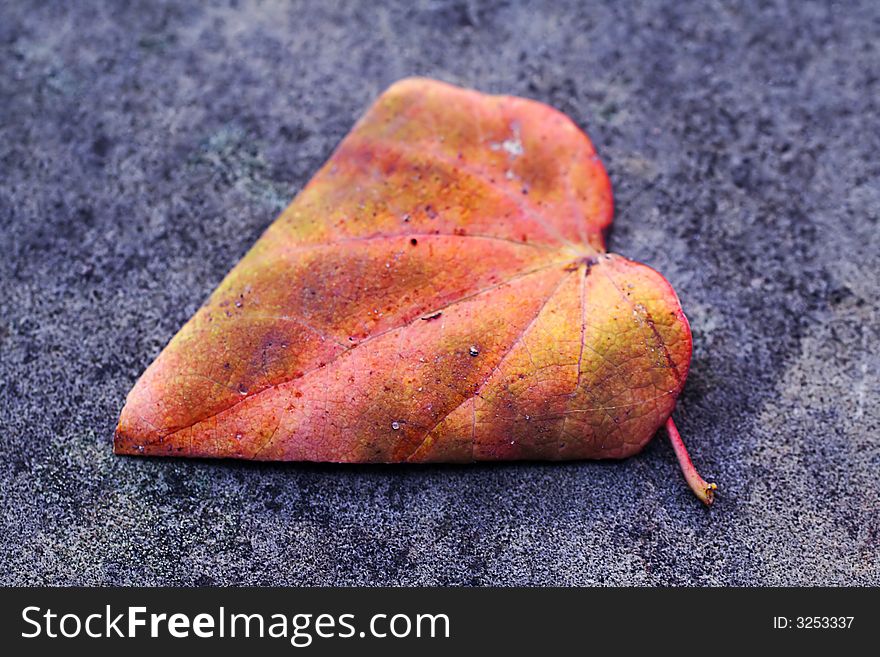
x=144, y=147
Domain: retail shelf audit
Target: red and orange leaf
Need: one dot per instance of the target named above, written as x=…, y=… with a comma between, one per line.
x=439, y=291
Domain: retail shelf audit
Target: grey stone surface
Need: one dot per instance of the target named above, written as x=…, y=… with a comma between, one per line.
x=145, y=146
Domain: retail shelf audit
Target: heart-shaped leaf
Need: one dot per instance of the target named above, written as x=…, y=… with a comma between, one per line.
x=439, y=291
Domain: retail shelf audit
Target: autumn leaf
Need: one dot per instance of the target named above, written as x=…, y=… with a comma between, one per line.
x=439, y=291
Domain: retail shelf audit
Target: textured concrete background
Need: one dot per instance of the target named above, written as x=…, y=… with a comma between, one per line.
x=145, y=146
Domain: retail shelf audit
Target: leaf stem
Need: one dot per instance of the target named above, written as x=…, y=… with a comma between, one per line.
x=705, y=491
